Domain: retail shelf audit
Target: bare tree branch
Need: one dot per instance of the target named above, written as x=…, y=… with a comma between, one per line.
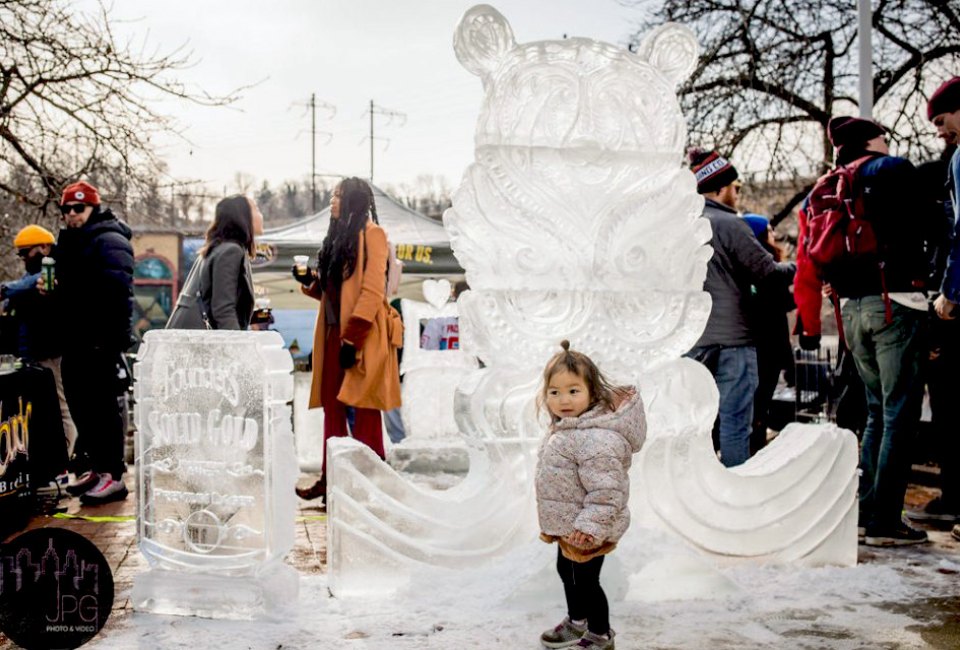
x=773, y=72
x=74, y=99
x=791, y=204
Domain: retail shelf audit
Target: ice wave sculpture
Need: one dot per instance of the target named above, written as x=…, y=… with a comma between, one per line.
x=579, y=221
x=216, y=470
x=430, y=376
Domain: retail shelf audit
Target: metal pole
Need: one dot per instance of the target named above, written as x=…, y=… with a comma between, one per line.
x=313, y=151
x=865, y=30
x=371, y=142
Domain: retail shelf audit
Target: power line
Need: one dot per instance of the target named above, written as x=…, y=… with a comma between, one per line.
x=313, y=145
x=312, y=105
x=390, y=115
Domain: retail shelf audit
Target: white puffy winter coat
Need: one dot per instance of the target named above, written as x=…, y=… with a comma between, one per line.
x=581, y=479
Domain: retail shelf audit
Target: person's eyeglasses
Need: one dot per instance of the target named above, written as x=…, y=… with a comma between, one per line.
x=738, y=186
x=73, y=207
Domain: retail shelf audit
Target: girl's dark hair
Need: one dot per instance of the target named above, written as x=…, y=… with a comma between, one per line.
x=337, y=258
x=601, y=391
x=232, y=221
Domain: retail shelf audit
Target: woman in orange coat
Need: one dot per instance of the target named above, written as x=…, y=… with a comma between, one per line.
x=357, y=333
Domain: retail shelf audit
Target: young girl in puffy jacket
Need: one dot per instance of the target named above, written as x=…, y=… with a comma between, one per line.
x=582, y=487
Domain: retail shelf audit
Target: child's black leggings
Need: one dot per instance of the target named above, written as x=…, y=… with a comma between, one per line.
x=585, y=597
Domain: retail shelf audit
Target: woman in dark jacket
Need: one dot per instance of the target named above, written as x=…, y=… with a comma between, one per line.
x=771, y=301
x=218, y=293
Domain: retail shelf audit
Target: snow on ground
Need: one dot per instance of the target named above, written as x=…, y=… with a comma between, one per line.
x=883, y=603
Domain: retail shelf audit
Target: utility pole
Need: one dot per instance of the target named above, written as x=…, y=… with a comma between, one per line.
x=390, y=115
x=313, y=143
x=865, y=32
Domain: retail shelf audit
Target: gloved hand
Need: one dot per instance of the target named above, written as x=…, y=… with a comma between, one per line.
x=810, y=342
x=348, y=356
x=305, y=280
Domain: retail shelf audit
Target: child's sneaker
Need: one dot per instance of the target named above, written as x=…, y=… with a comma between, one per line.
x=105, y=491
x=565, y=635
x=595, y=641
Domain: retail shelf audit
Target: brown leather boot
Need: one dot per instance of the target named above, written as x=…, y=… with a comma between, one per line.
x=315, y=491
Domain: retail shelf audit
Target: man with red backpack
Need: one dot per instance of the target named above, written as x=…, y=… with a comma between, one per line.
x=862, y=231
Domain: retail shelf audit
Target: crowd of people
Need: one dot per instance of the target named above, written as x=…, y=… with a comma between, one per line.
x=877, y=240
x=88, y=283
x=88, y=269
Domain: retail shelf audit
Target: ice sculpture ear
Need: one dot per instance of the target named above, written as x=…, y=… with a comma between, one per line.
x=482, y=39
x=671, y=48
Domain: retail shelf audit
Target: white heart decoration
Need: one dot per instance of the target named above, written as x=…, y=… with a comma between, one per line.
x=437, y=292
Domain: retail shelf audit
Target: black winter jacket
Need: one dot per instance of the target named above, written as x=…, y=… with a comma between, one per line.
x=94, y=274
x=37, y=318
x=934, y=181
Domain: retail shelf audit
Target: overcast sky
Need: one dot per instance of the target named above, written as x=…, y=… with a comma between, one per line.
x=398, y=53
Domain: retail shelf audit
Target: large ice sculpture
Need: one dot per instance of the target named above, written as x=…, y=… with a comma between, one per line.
x=430, y=376
x=579, y=221
x=215, y=472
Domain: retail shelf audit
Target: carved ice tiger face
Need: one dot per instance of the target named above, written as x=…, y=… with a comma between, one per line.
x=576, y=93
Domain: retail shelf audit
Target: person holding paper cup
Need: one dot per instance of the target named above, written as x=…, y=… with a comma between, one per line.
x=357, y=332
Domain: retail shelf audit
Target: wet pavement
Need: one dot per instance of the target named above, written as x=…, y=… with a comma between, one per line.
x=113, y=528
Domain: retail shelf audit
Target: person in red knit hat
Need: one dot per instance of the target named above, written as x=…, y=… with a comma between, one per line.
x=883, y=316
x=80, y=192
x=94, y=292
x=943, y=110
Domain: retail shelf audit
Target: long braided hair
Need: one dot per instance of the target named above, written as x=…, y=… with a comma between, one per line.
x=337, y=259
x=373, y=205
